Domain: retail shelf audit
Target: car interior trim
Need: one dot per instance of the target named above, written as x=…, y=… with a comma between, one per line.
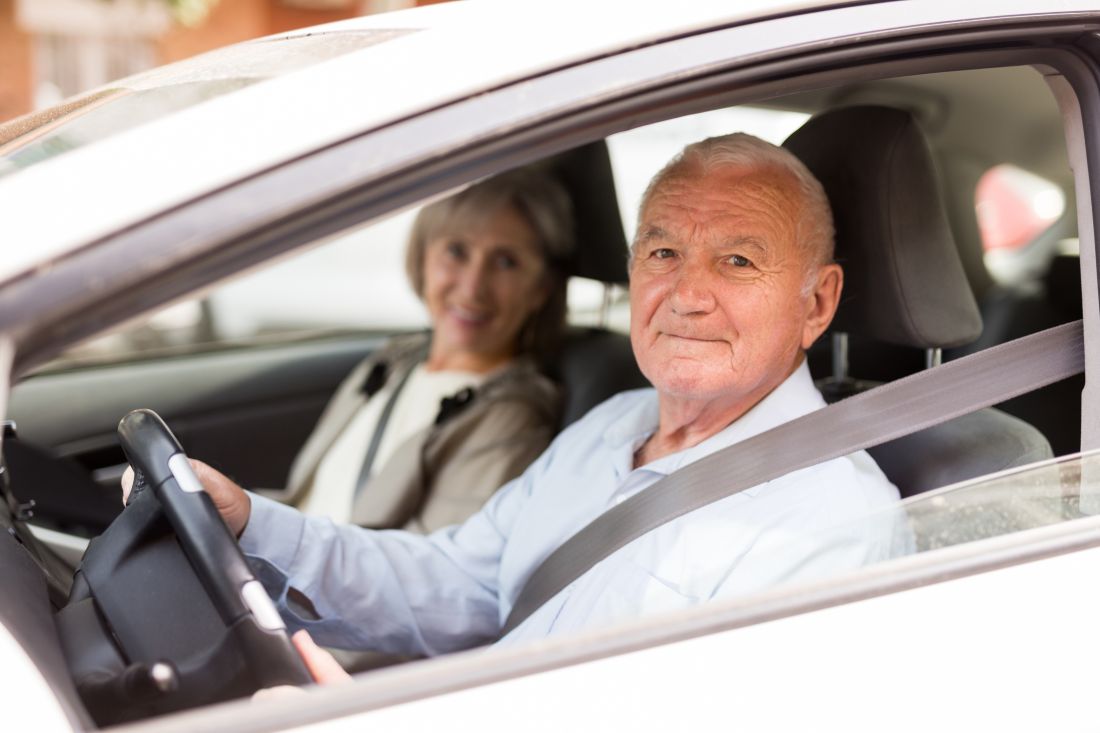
x=70, y=548
x=311, y=367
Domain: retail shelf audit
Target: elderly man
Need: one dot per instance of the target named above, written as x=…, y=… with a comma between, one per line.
x=731, y=280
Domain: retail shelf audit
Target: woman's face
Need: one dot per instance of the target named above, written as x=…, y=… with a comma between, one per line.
x=481, y=283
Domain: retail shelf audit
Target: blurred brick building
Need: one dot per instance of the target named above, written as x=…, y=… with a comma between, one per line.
x=52, y=49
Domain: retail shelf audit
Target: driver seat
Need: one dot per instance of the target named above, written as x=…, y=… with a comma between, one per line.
x=904, y=286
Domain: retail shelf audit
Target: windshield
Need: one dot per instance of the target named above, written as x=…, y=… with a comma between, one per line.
x=151, y=95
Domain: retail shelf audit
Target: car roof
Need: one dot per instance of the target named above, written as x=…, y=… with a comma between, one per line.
x=61, y=204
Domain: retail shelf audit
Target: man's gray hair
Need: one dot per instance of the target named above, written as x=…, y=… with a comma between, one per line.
x=739, y=150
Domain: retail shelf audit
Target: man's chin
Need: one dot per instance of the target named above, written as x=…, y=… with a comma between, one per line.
x=691, y=383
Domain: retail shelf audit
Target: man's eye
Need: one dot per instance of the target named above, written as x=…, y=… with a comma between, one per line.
x=663, y=253
x=739, y=261
x=506, y=262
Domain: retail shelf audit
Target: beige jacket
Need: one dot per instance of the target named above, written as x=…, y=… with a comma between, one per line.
x=446, y=472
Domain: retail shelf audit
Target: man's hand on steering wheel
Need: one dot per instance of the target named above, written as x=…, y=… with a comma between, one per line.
x=230, y=499
x=234, y=506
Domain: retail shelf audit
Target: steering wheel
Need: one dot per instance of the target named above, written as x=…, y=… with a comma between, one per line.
x=168, y=590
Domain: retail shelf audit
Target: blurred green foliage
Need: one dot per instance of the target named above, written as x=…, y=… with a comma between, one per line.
x=190, y=12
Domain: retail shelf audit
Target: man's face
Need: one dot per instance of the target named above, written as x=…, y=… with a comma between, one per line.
x=717, y=301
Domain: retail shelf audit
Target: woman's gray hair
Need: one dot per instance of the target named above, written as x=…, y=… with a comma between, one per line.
x=739, y=150
x=545, y=205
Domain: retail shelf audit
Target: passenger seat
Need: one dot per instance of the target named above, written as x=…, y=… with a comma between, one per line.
x=594, y=363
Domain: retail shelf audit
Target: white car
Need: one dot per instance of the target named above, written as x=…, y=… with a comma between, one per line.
x=220, y=240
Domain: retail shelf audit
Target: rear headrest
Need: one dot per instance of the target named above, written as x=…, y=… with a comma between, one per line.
x=903, y=280
x=601, y=243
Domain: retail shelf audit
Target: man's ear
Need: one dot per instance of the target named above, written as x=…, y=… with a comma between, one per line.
x=822, y=302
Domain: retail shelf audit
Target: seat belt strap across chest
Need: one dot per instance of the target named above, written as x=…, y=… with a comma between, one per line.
x=379, y=431
x=880, y=415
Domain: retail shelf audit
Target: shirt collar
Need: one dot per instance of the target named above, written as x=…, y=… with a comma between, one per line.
x=794, y=397
x=637, y=423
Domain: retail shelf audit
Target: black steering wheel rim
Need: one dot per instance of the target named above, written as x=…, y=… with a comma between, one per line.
x=161, y=466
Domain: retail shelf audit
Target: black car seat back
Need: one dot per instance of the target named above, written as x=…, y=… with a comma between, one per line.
x=593, y=363
x=904, y=285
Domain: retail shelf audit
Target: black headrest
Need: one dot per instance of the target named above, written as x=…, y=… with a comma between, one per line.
x=903, y=280
x=601, y=243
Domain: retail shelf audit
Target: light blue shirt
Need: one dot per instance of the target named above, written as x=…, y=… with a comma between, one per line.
x=397, y=592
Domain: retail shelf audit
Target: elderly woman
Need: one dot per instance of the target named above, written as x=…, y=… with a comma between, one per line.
x=425, y=430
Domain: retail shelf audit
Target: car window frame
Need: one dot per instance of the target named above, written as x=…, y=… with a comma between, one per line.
x=402, y=183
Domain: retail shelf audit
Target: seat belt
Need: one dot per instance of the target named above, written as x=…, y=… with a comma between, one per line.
x=379, y=430
x=880, y=415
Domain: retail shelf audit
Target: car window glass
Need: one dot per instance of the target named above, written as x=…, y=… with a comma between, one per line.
x=1042, y=495
x=1052, y=492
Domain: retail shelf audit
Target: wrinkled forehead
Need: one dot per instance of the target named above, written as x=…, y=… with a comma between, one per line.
x=728, y=180
x=720, y=201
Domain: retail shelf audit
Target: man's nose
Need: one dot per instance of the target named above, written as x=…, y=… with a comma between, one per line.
x=691, y=292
